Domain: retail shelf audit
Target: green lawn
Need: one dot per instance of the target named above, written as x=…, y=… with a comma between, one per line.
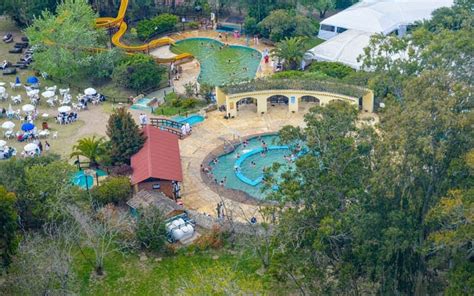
x=188, y=273
x=312, y=42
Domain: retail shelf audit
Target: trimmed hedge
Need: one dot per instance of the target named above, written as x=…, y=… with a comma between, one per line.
x=299, y=83
x=160, y=24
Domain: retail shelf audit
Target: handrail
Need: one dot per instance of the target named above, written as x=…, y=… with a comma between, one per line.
x=168, y=125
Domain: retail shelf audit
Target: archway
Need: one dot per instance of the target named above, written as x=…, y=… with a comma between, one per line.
x=248, y=104
x=277, y=102
x=306, y=102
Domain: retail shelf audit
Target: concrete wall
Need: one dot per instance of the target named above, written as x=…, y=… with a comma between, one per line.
x=208, y=222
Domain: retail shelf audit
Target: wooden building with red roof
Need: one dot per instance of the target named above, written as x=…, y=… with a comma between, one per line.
x=157, y=166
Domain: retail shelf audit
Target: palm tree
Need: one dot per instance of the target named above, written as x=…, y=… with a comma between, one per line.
x=91, y=148
x=291, y=51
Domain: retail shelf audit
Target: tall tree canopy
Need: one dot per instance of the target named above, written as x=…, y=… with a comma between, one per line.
x=24, y=11
x=125, y=136
x=63, y=39
x=8, y=226
x=388, y=211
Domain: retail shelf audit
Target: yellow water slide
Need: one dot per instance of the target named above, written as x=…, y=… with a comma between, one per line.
x=110, y=22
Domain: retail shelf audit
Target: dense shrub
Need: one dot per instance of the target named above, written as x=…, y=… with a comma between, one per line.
x=138, y=72
x=178, y=101
x=298, y=74
x=160, y=24
x=151, y=231
x=104, y=64
x=193, y=25
x=282, y=23
x=212, y=240
x=250, y=26
x=331, y=69
x=112, y=190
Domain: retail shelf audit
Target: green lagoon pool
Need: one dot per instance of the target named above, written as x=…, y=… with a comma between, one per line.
x=221, y=64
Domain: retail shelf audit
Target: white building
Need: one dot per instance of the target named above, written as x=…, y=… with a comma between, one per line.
x=348, y=32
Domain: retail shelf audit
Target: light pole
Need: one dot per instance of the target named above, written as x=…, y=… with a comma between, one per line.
x=183, y=20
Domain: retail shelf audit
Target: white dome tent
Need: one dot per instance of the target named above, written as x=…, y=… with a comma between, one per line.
x=348, y=32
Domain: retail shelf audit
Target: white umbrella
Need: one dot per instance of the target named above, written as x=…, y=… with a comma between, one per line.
x=2, y=143
x=8, y=125
x=28, y=108
x=90, y=91
x=32, y=92
x=30, y=147
x=48, y=94
x=64, y=109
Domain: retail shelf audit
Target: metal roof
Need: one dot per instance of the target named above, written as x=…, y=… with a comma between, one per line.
x=159, y=158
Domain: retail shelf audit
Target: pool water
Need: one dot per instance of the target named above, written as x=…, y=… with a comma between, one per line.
x=191, y=119
x=225, y=168
x=220, y=64
x=142, y=104
x=83, y=181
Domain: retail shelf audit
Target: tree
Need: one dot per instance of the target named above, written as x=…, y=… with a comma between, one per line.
x=103, y=65
x=113, y=190
x=313, y=235
x=291, y=51
x=320, y=5
x=125, y=137
x=102, y=232
x=8, y=226
x=91, y=148
x=62, y=39
x=44, y=264
x=49, y=190
x=23, y=12
x=151, y=231
x=250, y=26
x=206, y=91
x=450, y=239
x=162, y=23
x=285, y=24
x=139, y=72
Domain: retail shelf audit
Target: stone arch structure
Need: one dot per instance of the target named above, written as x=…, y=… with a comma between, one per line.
x=277, y=100
x=245, y=102
x=307, y=98
x=294, y=96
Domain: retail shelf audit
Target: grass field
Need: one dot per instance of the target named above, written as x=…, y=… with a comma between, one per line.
x=67, y=134
x=187, y=273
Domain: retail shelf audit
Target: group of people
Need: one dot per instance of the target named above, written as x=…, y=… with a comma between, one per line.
x=66, y=118
x=186, y=129
x=143, y=118
x=7, y=152
x=39, y=149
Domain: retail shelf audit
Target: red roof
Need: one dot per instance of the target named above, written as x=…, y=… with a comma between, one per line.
x=159, y=158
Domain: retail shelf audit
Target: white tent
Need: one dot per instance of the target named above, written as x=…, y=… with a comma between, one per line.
x=344, y=48
x=348, y=32
x=380, y=16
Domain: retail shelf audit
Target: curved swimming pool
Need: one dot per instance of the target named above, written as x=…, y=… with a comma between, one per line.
x=220, y=63
x=243, y=168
